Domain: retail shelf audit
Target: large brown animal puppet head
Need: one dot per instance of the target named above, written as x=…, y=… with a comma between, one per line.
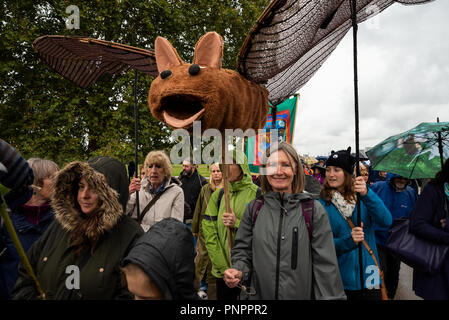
x=204, y=91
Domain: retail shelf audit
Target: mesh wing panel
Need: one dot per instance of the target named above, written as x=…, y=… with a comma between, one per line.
x=84, y=60
x=292, y=39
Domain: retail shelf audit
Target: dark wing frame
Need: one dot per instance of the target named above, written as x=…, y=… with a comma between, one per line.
x=83, y=60
x=292, y=39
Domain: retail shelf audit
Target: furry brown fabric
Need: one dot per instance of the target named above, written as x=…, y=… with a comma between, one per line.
x=219, y=98
x=85, y=231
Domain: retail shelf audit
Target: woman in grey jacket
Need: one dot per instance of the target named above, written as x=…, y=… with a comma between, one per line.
x=281, y=252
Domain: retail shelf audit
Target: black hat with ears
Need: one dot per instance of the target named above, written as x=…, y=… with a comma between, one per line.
x=342, y=159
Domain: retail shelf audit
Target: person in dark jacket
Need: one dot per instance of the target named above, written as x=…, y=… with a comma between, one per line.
x=400, y=199
x=375, y=175
x=429, y=220
x=192, y=182
x=16, y=177
x=79, y=255
x=160, y=265
x=31, y=214
x=312, y=186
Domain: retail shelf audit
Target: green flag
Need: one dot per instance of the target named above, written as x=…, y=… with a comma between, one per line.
x=285, y=126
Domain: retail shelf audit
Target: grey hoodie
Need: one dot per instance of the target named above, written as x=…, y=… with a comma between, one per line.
x=264, y=252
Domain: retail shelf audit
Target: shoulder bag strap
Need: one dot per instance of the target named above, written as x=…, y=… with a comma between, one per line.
x=150, y=204
x=371, y=252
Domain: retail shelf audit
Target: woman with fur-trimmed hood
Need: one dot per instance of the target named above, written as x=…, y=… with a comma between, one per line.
x=78, y=257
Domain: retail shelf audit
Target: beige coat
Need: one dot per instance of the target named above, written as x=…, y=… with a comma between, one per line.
x=170, y=204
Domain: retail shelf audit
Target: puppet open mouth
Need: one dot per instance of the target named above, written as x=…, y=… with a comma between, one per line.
x=179, y=111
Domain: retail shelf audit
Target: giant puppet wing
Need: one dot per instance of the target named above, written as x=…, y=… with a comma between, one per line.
x=83, y=60
x=292, y=39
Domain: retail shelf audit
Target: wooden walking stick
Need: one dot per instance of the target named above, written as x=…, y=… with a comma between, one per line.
x=226, y=191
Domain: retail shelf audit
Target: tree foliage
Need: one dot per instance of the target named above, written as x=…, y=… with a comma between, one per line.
x=44, y=115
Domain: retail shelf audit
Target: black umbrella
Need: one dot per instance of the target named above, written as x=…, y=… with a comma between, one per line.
x=83, y=60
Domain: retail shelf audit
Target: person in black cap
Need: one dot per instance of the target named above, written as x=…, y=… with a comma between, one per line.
x=78, y=257
x=160, y=266
x=338, y=196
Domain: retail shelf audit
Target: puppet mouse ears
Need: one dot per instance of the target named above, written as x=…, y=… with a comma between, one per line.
x=208, y=52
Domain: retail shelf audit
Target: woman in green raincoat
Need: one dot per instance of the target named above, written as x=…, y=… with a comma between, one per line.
x=242, y=190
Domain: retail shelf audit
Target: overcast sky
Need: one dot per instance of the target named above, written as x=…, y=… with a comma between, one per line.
x=403, y=71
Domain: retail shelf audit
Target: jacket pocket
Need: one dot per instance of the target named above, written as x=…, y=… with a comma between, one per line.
x=295, y=248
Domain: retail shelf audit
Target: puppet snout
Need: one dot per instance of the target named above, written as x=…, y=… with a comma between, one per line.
x=179, y=111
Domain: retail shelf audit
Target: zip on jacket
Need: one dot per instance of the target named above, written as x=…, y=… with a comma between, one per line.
x=278, y=254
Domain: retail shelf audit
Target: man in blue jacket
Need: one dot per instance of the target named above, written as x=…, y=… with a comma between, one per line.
x=400, y=199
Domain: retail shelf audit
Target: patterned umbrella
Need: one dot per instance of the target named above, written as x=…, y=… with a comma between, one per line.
x=414, y=154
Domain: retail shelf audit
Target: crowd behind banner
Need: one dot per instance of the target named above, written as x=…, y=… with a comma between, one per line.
x=305, y=230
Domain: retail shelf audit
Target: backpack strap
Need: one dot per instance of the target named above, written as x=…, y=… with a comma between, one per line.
x=220, y=196
x=307, y=211
x=255, y=208
x=149, y=205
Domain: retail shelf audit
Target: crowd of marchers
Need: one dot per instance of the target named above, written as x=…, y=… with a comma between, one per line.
x=94, y=230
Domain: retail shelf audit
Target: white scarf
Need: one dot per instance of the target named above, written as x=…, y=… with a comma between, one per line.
x=344, y=207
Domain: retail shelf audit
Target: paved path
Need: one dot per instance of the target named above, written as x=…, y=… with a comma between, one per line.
x=405, y=291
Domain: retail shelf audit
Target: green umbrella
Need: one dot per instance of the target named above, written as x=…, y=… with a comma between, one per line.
x=415, y=154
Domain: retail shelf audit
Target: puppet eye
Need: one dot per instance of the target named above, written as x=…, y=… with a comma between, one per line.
x=194, y=69
x=165, y=74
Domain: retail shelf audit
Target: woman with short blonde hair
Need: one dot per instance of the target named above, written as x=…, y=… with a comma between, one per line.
x=159, y=183
x=159, y=158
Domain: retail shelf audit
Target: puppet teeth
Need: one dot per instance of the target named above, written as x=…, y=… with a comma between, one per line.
x=178, y=123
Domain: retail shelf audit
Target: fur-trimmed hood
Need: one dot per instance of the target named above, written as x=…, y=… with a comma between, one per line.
x=84, y=228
